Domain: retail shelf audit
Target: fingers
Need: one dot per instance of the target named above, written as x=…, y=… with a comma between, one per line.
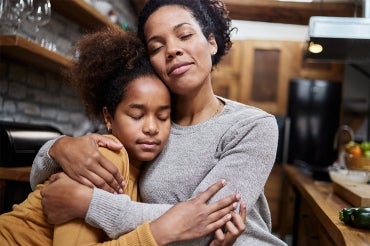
x=111, y=175
x=243, y=211
x=219, y=237
x=104, y=141
x=207, y=194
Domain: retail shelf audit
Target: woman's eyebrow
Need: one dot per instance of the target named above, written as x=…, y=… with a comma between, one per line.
x=173, y=29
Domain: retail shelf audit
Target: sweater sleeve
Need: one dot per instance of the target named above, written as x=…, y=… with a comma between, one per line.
x=43, y=165
x=246, y=155
x=141, y=236
x=118, y=214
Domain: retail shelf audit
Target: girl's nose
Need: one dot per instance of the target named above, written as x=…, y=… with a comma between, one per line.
x=150, y=127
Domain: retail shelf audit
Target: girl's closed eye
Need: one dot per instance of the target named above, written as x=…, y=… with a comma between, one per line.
x=164, y=116
x=136, y=116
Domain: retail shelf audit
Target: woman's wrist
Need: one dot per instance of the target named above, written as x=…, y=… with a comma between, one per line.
x=161, y=235
x=83, y=196
x=54, y=147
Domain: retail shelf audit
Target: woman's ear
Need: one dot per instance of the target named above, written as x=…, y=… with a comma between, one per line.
x=212, y=44
x=107, y=119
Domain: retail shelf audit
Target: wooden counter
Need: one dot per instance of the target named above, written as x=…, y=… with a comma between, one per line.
x=14, y=186
x=15, y=173
x=316, y=209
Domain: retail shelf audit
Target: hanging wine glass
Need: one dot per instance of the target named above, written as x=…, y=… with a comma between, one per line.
x=19, y=10
x=40, y=16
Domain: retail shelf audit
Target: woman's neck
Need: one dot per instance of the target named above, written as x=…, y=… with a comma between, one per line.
x=192, y=111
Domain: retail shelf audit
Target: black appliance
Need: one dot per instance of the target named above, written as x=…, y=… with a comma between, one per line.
x=19, y=144
x=314, y=115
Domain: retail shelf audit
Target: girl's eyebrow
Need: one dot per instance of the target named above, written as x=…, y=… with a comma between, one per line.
x=141, y=106
x=173, y=29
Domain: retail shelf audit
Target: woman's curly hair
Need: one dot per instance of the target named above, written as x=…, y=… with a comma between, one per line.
x=212, y=16
x=106, y=62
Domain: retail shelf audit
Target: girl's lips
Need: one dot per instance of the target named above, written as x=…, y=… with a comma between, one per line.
x=178, y=70
x=149, y=147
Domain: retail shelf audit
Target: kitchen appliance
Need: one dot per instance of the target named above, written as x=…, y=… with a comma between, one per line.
x=313, y=112
x=19, y=144
x=342, y=39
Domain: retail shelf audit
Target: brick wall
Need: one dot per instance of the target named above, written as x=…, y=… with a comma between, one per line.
x=31, y=95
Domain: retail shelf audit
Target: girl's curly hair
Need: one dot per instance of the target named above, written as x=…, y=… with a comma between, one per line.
x=211, y=15
x=106, y=62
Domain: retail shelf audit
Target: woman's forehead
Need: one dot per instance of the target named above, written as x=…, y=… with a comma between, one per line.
x=169, y=17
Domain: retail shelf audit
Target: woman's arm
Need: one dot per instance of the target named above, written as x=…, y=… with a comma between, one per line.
x=187, y=220
x=80, y=158
x=43, y=165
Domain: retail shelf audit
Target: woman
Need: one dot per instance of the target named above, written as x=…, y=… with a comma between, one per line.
x=211, y=137
x=119, y=88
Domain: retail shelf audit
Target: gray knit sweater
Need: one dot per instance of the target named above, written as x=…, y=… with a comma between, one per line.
x=238, y=145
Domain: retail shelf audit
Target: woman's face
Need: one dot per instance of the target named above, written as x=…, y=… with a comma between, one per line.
x=142, y=119
x=179, y=52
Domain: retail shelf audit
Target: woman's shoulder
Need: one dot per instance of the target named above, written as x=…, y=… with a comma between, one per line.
x=237, y=109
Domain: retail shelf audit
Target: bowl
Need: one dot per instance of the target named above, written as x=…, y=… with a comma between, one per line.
x=349, y=176
x=360, y=163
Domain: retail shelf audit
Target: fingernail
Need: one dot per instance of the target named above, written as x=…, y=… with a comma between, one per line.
x=123, y=183
x=120, y=191
x=235, y=205
x=238, y=196
x=228, y=216
x=223, y=182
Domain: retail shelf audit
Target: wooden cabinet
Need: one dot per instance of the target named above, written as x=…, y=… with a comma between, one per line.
x=32, y=53
x=310, y=209
x=257, y=72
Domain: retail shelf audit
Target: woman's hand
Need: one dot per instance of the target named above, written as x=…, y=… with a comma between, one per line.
x=194, y=218
x=81, y=160
x=64, y=199
x=232, y=229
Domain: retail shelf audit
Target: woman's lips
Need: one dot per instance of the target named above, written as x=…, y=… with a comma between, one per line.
x=179, y=69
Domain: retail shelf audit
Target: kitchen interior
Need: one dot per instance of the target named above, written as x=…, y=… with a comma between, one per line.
x=306, y=62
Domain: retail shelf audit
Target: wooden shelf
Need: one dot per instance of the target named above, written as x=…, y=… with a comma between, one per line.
x=82, y=13
x=15, y=173
x=31, y=53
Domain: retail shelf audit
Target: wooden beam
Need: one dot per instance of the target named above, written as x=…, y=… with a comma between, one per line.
x=286, y=12
x=282, y=12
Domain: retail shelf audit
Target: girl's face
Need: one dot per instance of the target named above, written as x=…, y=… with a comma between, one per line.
x=142, y=119
x=179, y=52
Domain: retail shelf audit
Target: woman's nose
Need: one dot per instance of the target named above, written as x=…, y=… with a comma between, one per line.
x=173, y=50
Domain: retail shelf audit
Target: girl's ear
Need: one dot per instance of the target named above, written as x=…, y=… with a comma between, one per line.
x=107, y=119
x=212, y=44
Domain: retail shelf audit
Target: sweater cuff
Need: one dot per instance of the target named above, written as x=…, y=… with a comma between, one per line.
x=100, y=213
x=43, y=165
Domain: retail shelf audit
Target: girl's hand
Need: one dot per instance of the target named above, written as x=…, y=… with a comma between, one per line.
x=233, y=228
x=194, y=218
x=64, y=199
x=81, y=160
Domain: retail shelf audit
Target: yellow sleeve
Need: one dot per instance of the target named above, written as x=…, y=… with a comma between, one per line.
x=81, y=234
x=141, y=236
